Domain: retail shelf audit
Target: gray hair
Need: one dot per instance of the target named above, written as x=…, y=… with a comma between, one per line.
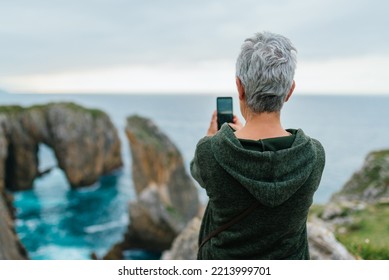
x=266, y=66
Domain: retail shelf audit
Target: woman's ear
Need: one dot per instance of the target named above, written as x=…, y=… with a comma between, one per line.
x=240, y=88
x=290, y=91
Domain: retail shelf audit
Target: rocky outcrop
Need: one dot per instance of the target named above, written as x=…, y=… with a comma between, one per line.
x=322, y=242
x=371, y=183
x=167, y=197
x=85, y=142
x=185, y=246
x=10, y=246
x=357, y=213
x=367, y=186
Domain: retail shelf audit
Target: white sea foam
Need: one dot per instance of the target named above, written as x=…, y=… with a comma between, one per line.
x=105, y=226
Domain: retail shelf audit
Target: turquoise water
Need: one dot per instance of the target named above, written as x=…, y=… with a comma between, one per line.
x=56, y=222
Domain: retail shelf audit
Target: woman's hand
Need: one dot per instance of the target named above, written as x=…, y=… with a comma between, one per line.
x=212, y=130
x=213, y=125
x=236, y=124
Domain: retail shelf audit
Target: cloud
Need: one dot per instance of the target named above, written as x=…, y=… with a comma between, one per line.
x=357, y=75
x=46, y=38
x=203, y=77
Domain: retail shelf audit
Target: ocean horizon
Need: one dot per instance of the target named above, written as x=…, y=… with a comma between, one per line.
x=56, y=222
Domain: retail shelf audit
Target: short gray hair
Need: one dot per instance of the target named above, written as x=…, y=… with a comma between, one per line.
x=266, y=66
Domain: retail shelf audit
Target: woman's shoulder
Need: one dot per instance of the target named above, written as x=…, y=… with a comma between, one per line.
x=204, y=141
x=316, y=145
x=204, y=145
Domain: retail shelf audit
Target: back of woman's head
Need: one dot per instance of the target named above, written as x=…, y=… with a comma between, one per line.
x=266, y=67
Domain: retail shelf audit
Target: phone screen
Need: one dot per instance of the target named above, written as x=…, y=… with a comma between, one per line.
x=224, y=110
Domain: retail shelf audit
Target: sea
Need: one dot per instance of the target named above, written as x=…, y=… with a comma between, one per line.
x=54, y=221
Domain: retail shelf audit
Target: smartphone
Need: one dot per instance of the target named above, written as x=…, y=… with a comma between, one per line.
x=224, y=110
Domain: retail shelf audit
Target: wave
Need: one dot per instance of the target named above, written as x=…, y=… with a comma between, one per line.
x=102, y=227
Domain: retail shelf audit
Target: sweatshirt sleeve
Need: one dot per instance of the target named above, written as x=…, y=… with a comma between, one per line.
x=195, y=167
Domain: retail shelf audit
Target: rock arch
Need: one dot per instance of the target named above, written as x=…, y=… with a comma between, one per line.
x=85, y=143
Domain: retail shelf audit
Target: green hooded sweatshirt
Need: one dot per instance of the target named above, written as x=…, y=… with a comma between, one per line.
x=283, y=181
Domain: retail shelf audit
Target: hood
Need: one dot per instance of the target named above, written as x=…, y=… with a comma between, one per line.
x=271, y=177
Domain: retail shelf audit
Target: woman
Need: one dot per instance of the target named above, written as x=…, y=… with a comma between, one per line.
x=260, y=178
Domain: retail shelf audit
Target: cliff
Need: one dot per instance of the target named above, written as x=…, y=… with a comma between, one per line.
x=358, y=212
x=85, y=142
x=185, y=246
x=10, y=246
x=167, y=198
x=371, y=183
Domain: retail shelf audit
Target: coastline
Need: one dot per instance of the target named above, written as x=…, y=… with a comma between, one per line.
x=175, y=131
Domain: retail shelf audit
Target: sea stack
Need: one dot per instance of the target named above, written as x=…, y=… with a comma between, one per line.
x=167, y=198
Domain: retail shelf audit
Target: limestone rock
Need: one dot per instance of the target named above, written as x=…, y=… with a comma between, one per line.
x=85, y=143
x=167, y=197
x=166, y=193
x=371, y=183
x=10, y=246
x=185, y=246
x=323, y=244
x=339, y=212
x=367, y=189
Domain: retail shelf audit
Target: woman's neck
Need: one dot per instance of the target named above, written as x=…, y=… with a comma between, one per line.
x=262, y=126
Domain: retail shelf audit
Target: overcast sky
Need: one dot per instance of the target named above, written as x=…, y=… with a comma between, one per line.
x=187, y=46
